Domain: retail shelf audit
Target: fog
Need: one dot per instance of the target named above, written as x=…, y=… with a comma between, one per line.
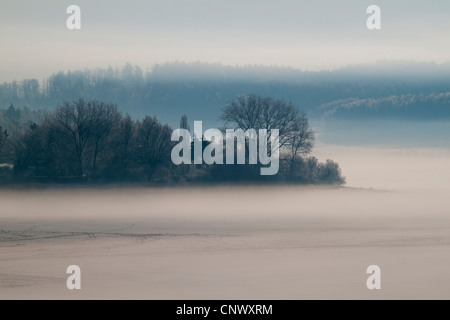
x=239, y=242
x=309, y=35
x=391, y=168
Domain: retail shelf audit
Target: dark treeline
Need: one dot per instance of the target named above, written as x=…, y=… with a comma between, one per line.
x=200, y=90
x=92, y=141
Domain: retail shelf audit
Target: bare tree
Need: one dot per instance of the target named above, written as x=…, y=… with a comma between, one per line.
x=82, y=124
x=121, y=148
x=246, y=112
x=69, y=139
x=153, y=142
x=255, y=112
x=106, y=118
x=301, y=140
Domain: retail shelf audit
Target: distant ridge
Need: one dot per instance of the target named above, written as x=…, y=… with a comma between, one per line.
x=400, y=89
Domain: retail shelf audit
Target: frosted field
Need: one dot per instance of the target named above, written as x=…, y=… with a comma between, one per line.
x=283, y=242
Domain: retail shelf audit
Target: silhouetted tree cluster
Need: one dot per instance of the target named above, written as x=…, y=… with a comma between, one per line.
x=255, y=112
x=310, y=171
x=296, y=141
x=90, y=140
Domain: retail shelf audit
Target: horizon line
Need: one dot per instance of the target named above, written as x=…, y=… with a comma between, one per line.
x=150, y=69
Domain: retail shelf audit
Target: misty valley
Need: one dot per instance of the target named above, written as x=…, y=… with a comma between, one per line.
x=110, y=170
x=205, y=152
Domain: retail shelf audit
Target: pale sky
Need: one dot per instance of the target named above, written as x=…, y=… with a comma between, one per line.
x=310, y=35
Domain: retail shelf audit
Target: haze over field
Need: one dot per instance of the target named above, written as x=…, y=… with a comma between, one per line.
x=239, y=242
x=109, y=198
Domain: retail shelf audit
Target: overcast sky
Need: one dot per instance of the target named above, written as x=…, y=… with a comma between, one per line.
x=311, y=35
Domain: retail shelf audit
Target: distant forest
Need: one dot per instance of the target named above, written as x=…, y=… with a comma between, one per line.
x=384, y=90
x=92, y=141
x=43, y=138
